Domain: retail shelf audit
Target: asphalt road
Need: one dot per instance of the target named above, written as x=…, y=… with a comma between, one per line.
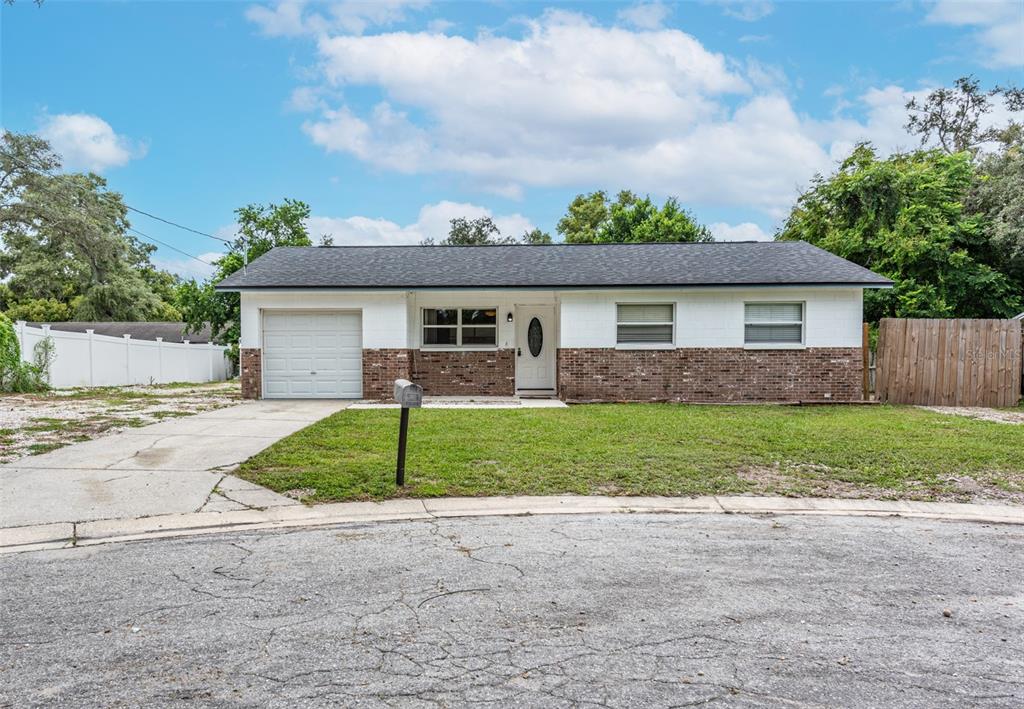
x=618, y=610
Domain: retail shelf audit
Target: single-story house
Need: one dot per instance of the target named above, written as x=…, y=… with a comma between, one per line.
x=717, y=322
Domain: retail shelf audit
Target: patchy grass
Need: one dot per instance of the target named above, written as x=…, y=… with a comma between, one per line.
x=651, y=449
x=31, y=424
x=40, y=448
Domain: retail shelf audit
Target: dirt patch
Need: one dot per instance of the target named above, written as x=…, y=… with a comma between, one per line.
x=31, y=424
x=810, y=480
x=997, y=415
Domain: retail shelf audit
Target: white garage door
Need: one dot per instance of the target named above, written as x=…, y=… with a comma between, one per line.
x=312, y=354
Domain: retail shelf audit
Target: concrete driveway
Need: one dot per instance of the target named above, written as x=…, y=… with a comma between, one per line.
x=595, y=611
x=170, y=467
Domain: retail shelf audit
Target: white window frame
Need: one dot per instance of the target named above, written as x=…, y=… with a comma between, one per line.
x=671, y=345
x=777, y=345
x=458, y=328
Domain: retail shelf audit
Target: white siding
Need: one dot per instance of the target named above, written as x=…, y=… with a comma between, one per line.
x=714, y=318
x=704, y=318
x=384, y=313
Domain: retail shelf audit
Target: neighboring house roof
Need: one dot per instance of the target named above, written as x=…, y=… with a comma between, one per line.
x=551, y=266
x=170, y=331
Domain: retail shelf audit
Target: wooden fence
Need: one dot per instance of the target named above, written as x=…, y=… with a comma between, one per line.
x=949, y=362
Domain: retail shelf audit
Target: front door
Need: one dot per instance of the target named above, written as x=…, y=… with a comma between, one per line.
x=535, y=349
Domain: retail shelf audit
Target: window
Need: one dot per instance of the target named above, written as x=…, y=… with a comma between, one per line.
x=462, y=327
x=773, y=324
x=644, y=324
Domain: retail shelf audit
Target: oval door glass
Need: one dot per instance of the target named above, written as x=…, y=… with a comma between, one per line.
x=535, y=337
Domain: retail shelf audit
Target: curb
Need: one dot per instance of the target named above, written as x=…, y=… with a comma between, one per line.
x=63, y=535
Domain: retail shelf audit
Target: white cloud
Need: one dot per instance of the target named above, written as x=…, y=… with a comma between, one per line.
x=646, y=16
x=571, y=103
x=999, y=27
x=291, y=18
x=189, y=268
x=746, y=10
x=88, y=142
x=747, y=231
x=432, y=222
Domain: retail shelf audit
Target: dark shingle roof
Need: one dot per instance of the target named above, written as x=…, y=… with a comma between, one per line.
x=170, y=331
x=552, y=266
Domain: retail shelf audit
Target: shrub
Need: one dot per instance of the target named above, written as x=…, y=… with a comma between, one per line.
x=18, y=376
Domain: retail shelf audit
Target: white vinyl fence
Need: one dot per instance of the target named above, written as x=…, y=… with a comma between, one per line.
x=83, y=359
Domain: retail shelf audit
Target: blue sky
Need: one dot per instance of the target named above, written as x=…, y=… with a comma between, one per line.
x=390, y=118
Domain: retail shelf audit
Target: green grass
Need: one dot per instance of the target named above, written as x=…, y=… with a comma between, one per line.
x=40, y=448
x=647, y=449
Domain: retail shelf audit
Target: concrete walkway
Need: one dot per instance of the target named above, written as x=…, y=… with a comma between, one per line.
x=173, y=467
x=62, y=535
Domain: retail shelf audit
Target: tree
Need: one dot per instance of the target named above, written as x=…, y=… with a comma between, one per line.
x=260, y=229
x=592, y=218
x=481, y=231
x=997, y=195
x=953, y=116
x=904, y=218
x=64, y=238
x=584, y=217
x=536, y=237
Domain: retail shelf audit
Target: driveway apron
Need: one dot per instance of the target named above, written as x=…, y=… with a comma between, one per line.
x=169, y=467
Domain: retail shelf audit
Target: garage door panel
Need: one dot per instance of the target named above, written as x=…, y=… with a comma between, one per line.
x=275, y=365
x=328, y=343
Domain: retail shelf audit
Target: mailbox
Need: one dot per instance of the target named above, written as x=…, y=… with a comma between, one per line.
x=408, y=395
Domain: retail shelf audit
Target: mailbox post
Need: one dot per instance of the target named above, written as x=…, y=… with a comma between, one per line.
x=408, y=396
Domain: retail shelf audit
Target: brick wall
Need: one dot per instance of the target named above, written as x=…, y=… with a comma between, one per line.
x=380, y=370
x=465, y=373
x=439, y=373
x=710, y=374
x=250, y=361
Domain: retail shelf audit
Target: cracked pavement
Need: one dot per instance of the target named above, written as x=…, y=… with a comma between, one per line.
x=175, y=466
x=591, y=611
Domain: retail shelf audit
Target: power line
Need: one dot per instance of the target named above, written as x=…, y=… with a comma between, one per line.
x=173, y=248
x=144, y=235
x=180, y=226
x=134, y=209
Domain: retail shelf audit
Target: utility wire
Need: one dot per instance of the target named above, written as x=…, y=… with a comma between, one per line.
x=145, y=236
x=180, y=226
x=134, y=209
x=169, y=246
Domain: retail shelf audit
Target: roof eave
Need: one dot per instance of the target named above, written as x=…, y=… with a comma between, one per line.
x=602, y=286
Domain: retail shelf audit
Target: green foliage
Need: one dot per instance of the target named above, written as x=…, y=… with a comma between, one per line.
x=18, y=376
x=536, y=237
x=260, y=229
x=904, y=218
x=41, y=310
x=952, y=117
x=592, y=218
x=481, y=231
x=65, y=240
x=998, y=197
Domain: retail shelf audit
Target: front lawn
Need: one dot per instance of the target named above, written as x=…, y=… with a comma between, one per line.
x=651, y=449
